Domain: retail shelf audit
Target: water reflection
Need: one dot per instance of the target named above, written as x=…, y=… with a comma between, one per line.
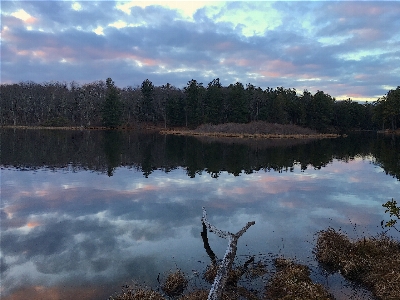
x=85, y=234
x=104, y=151
x=112, y=149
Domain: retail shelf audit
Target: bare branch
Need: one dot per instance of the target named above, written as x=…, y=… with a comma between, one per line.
x=227, y=262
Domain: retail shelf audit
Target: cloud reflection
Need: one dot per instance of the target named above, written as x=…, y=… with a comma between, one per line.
x=63, y=230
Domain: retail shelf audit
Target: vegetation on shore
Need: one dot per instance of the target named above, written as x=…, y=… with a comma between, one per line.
x=102, y=103
x=394, y=211
x=256, y=129
x=373, y=262
x=289, y=280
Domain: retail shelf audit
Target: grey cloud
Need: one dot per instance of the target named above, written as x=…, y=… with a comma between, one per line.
x=3, y=266
x=58, y=15
x=152, y=16
x=197, y=46
x=347, y=18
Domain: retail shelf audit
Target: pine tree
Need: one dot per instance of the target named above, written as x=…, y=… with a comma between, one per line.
x=112, y=112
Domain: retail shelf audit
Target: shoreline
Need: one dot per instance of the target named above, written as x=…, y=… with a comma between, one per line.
x=82, y=128
x=164, y=131
x=251, y=135
x=389, y=131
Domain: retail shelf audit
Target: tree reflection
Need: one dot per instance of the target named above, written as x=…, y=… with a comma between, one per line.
x=112, y=149
x=105, y=151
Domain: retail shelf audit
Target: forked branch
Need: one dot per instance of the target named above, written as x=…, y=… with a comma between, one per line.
x=227, y=262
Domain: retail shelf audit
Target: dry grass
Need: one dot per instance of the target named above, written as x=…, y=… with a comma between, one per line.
x=233, y=275
x=258, y=127
x=203, y=295
x=292, y=281
x=259, y=269
x=138, y=294
x=389, y=131
x=175, y=284
x=372, y=262
x=232, y=290
x=255, y=130
x=210, y=273
x=196, y=295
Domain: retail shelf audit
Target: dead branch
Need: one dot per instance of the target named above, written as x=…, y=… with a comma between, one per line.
x=227, y=262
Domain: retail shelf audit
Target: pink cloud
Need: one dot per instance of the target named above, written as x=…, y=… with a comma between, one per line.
x=312, y=66
x=278, y=68
x=367, y=34
x=288, y=204
x=147, y=187
x=355, y=95
x=33, y=224
x=51, y=293
x=352, y=9
x=271, y=74
x=280, y=64
x=354, y=179
x=361, y=76
x=297, y=50
x=224, y=46
x=239, y=191
x=31, y=20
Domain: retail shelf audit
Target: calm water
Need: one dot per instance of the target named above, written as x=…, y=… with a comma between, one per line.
x=83, y=213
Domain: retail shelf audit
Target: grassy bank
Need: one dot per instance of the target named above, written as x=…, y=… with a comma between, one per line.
x=373, y=262
x=253, y=130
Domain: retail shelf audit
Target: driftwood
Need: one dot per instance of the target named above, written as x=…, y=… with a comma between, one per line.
x=227, y=262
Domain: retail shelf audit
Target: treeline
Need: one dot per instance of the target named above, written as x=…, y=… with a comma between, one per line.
x=103, y=104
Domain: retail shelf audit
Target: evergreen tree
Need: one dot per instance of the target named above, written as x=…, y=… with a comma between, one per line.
x=238, y=106
x=175, y=108
x=112, y=111
x=392, y=107
x=278, y=113
x=147, y=111
x=194, y=94
x=213, y=102
x=320, y=111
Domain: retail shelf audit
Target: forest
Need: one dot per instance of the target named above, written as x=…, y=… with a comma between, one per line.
x=104, y=104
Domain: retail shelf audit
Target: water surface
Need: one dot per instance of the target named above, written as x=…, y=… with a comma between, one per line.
x=82, y=226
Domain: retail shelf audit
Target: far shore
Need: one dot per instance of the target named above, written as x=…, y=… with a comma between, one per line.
x=186, y=132
x=36, y=127
x=251, y=135
x=252, y=130
x=390, y=131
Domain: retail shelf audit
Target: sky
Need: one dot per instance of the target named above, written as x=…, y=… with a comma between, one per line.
x=348, y=49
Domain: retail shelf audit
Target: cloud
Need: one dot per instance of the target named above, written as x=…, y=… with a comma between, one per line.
x=270, y=43
x=88, y=229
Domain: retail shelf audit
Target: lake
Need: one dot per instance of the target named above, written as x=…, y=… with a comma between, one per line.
x=85, y=212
